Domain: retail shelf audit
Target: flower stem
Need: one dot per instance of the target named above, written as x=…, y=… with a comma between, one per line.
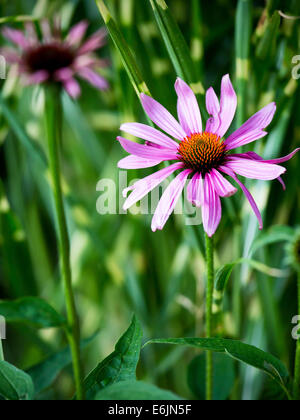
x=297, y=360
x=1, y=351
x=54, y=134
x=209, y=300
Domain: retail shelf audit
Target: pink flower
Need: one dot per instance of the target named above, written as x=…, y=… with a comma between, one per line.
x=202, y=156
x=55, y=59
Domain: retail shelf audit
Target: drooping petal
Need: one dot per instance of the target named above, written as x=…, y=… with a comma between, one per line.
x=94, y=42
x=195, y=190
x=46, y=31
x=148, y=133
x=63, y=74
x=188, y=108
x=255, y=169
x=136, y=162
x=145, y=185
x=213, y=108
x=169, y=200
x=255, y=156
x=77, y=33
x=253, y=129
x=222, y=187
x=93, y=78
x=36, y=78
x=228, y=105
x=16, y=36
x=147, y=152
x=247, y=193
x=31, y=33
x=211, y=207
x=162, y=118
x=72, y=87
x=11, y=56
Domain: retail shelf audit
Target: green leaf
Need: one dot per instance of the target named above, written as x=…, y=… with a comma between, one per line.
x=135, y=390
x=14, y=383
x=174, y=41
x=273, y=235
x=33, y=311
x=236, y=349
x=267, y=46
x=124, y=50
x=17, y=19
x=33, y=149
x=45, y=373
x=223, y=368
x=120, y=365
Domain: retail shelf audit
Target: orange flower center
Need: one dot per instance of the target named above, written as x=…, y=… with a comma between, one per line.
x=202, y=152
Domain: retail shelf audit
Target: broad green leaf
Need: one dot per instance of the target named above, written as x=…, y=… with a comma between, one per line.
x=271, y=236
x=33, y=311
x=14, y=383
x=45, y=373
x=236, y=349
x=223, y=368
x=135, y=390
x=120, y=365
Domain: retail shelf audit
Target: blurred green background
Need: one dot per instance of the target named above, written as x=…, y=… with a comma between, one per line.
x=119, y=265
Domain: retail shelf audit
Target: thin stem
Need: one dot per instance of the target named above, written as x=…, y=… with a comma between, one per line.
x=1, y=351
x=54, y=134
x=209, y=300
x=297, y=360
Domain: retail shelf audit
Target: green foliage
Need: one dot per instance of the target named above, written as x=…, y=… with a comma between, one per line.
x=33, y=311
x=15, y=384
x=120, y=365
x=135, y=390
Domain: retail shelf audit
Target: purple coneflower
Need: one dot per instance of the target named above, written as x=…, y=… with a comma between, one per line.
x=57, y=59
x=204, y=156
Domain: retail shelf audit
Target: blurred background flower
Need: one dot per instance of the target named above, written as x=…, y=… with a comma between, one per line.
x=55, y=59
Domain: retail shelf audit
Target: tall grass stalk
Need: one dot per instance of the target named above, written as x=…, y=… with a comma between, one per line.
x=54, y=119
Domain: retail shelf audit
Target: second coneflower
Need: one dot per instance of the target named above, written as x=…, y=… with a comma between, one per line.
x=201, y=153
x=56, y=59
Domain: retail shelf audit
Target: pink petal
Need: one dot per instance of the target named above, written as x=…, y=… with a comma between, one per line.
x=46, y=31
x=17, y=37
x=10, y=55
x=145, y=185
x=135, y=162
x=63, y=74
x=72, y=87
x=37, y=78
x=77, y=33
x=255, y=169
x=31, y=32
x=195, y=190
x=94, y=42
x=169, y=200
x=188, y=108
x=211, y=207
x=162, y=118
x=247, y=193
x=253, y=128
x=93, y=78
x=222, y=187
x=228, y=105
x=213, y=108
x=255, y=156
x=147, y=152
x=145, y=132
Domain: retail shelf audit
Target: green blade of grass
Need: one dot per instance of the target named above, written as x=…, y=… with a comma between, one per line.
x=125, y=52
